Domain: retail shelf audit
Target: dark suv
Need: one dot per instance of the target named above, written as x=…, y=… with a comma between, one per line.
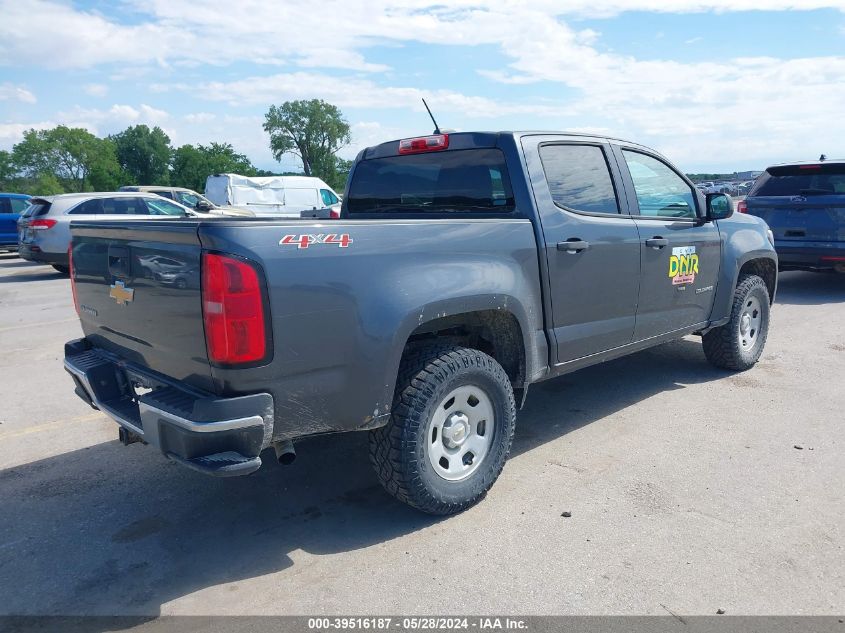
x=804, y=205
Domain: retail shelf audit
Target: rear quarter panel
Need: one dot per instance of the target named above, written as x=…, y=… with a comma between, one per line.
x=341, y=316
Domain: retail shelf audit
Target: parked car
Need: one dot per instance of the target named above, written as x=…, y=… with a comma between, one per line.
x=465, y=267
x=11, y=207
x=804, y=205
x=44, y=231
x=284, y=196
x=190, y=199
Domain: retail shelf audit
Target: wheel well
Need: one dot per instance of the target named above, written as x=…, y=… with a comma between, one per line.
x=494, y=332
x=765, y=269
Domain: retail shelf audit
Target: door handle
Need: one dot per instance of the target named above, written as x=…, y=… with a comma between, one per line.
x=657, y=242
x=573, y=245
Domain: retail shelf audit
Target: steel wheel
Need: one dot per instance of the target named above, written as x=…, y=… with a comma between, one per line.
x=460, y=433
x=750, y=321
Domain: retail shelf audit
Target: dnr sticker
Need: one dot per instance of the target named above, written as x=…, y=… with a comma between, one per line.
x=683, y=265
x=343, y=240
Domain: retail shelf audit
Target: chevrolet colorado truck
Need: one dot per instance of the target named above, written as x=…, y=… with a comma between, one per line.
x=464, y=268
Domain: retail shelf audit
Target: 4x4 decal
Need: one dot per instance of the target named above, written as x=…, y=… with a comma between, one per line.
x=343, y=240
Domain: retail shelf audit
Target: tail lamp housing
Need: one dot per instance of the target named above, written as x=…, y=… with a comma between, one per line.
x=741, y=207
x=41, y=225
x=235, y=312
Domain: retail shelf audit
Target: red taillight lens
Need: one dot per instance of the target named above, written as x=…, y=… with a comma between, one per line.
x=233, y=310
x=334, y=214
x=433, y=143
x=42, y=224
x=72, y=280
x=741, y=207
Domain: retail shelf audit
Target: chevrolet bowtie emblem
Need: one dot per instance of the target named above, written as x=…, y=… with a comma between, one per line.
x=120, y=293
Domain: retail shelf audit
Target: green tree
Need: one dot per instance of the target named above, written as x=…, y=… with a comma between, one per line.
x=45, y=185
x=77, y=158
x=144, y=155
x=312, y=130
x=192, y=165
x=7, y=170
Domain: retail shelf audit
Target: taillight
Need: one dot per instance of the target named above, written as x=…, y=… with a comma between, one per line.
x=334, y=214
x=233, y=310
x=72, y=279
x=433, y=143
x=741, y=207
x=42, y=225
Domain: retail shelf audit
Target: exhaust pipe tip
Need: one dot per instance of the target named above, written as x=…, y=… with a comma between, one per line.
x=285, y=452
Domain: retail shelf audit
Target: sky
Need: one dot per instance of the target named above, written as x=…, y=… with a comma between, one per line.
x=715, y=85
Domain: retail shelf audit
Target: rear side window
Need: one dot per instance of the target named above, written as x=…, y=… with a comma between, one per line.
x=89, y=207
x=472, y=180
x=801, y=180
x=19, y=205
x=164, y=194
x=579, y=178
x=124, y=206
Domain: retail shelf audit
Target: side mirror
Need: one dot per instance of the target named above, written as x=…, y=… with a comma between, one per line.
x=202, y=205
x=719, y=206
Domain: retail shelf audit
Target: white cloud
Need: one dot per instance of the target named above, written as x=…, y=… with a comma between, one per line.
x=693, y=40
x=12, y=92
x=96, y=90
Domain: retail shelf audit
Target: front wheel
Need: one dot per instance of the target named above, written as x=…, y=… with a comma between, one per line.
x=738, y=344
x=450, y=430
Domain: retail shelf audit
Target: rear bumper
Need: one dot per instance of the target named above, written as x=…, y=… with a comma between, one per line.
x=216, y=436
x=33, y=253
x=794, y=255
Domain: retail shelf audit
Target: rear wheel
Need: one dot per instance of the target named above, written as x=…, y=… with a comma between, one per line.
x=739, y=343
x=62, y=269
x=450, y=431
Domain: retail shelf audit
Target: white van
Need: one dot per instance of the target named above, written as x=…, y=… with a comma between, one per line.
x=271, y=195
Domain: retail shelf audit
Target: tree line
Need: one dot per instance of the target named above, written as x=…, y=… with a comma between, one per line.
x=67, y=160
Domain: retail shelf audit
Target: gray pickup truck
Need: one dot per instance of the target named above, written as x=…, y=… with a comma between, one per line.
x=464, y=268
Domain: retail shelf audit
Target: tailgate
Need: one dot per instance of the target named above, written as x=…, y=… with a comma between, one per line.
x=813, y=218
x=138, y=292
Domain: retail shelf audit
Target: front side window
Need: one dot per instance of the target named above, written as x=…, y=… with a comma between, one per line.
x=579, y=178
x=188, y=199
x=164, y=193
x=471, y=180
x=328, y=197
x=661, y=192
x=161, y=206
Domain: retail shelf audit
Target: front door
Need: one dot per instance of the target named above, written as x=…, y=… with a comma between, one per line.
x=681, y=255
x=592, y=246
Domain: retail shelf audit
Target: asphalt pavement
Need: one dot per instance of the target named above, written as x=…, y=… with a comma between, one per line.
x=690, y=489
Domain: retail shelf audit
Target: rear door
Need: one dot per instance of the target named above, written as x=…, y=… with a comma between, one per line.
x=801, y=203
x=680, y=254
x=592, y=245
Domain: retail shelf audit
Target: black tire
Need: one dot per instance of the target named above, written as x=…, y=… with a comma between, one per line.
x=398, y=450
x=62, y=269
x=723, y=346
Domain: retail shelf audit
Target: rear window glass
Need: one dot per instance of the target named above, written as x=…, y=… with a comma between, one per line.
x=472, y=180
x=800, y=180
x=37, y=209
